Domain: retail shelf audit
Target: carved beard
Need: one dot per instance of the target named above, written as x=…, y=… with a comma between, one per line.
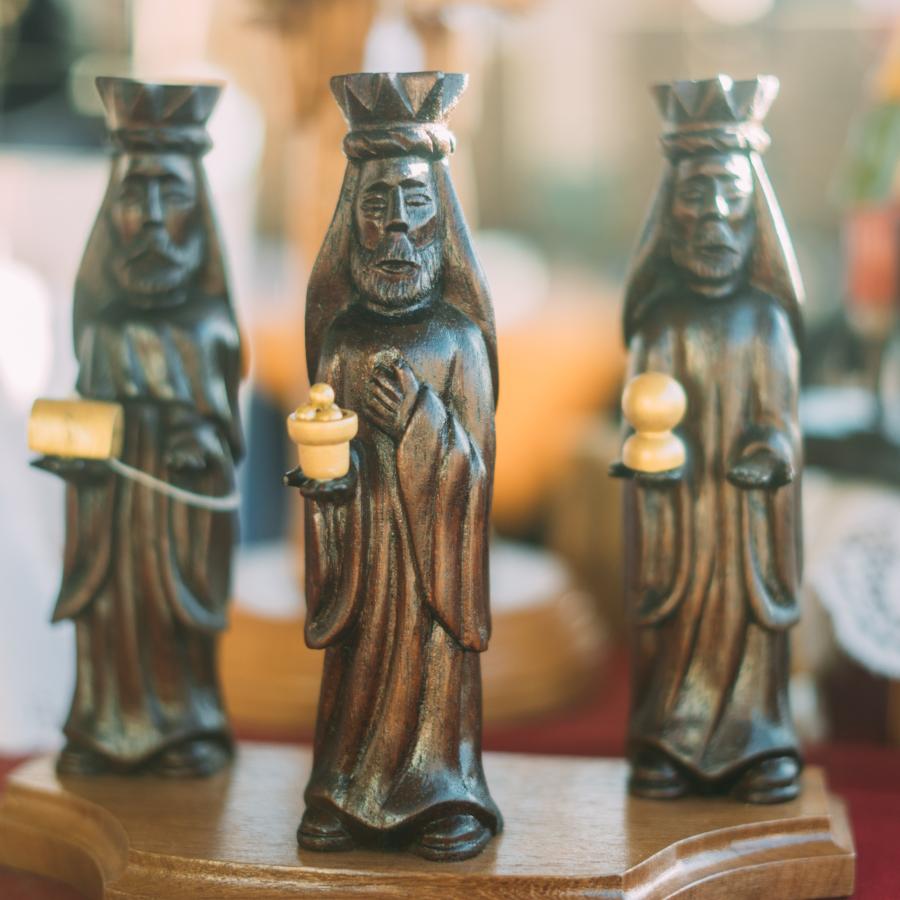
x=395, y=291
x=714, y=250
x=153, y=269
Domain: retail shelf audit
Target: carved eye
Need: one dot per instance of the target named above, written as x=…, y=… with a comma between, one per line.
x=177, y=197
x=418, y=200
x=374, y=206
x=691, y=195
x=130, y=196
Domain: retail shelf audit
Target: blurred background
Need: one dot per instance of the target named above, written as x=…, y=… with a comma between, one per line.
x=557, y=159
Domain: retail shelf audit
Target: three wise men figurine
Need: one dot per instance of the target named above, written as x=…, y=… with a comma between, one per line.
x=399, y=323
x=147, y=558
x=714, y=545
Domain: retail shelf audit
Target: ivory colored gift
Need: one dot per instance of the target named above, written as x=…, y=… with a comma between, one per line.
x=76, y=428
x=654, y=403
x=322, y=432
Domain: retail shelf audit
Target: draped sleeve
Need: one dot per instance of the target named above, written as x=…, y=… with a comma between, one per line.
x=448, y=507
x=171, y=374
x=336, y=540
x=770, y=517
x=660, y=552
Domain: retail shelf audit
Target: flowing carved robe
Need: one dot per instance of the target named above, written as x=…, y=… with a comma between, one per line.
x=146, y=577
x=714, y=569
x=397, y=581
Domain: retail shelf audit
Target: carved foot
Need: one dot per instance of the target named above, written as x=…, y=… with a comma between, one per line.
x=322, y=830
x=75, y=760
x=192, y=759
x=452, y=838
x=653, y=776
x=774, y=780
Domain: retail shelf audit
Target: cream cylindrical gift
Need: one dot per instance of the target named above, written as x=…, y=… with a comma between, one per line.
x=322, y=433
x=82, y=429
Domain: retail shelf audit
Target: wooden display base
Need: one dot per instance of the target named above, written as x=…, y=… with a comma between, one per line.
x=571, y=831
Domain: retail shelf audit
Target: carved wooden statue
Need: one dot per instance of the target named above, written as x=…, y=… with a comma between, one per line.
x=714, y=546
x=149, y=537
x=400, y=324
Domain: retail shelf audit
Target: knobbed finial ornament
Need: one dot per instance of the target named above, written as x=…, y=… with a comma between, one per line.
x=653, y=403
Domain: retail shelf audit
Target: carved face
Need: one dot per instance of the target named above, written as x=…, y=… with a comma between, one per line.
x=712, y=225
x=156, y=226
x=395, y=259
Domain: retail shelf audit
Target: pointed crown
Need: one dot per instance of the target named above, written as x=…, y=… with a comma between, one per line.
x=158, y=117
x=398, y=113
x=715, y=114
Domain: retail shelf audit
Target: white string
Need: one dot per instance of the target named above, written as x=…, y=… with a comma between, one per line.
x=226, y=503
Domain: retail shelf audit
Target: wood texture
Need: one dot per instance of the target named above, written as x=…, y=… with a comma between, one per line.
x=146, y=575
x=713, y=549
x=399, y=323
x=547, y=647
x=232, y=836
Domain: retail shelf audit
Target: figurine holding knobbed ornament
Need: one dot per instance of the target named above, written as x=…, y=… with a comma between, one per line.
x=399, y=326
x=713, y=539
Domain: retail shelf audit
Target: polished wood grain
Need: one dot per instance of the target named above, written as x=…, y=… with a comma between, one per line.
x=713, y=548
x=571, y=831
x=545, y=652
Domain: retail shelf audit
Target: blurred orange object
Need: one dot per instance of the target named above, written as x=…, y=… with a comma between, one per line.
x=557, y=369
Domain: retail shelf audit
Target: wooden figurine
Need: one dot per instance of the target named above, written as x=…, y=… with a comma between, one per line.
x=399, y=322
x=149, y=536
x=714, y=546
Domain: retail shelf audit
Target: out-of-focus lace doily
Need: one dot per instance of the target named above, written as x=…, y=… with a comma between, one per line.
x=853, y=566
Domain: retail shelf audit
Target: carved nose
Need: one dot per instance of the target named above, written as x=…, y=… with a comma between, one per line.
x=153, y=204
x=397, y=213
x=715, y=206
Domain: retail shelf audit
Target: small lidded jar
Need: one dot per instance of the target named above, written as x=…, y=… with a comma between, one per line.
x=322, y=432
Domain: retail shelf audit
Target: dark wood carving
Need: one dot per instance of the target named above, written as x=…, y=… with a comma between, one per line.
x=714, y=547
x=146, y=576
x=400, y=324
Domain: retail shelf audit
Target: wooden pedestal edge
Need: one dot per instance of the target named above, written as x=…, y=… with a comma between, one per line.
x=811, y=857
x=82, y=844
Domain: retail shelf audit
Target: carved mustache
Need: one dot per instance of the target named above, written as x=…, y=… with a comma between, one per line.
x=156, y=242
x=715, y=236
x=396, y=249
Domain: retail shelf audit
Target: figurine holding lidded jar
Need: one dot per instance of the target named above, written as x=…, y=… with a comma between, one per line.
x=322, y=432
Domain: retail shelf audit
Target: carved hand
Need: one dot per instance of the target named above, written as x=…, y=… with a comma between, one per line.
x=72, y=468
x=761, y=469
x=618, y=469
x=336, y=490
x=390, y=396
x=190, y=448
